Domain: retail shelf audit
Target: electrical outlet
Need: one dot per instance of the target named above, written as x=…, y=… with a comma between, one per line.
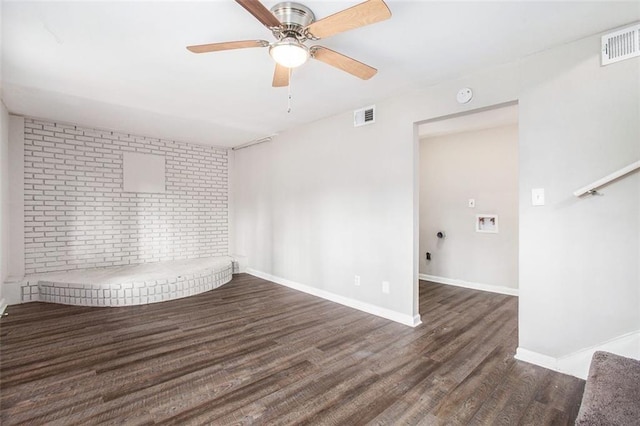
x=385, y=287
x=428, y=256
x=356, y=280
x=537, y=197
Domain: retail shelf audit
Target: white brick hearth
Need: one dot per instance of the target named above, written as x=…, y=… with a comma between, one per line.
x=129, y=285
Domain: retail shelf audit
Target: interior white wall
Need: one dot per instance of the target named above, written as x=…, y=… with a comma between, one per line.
x=325, y=201
x=4, y=179
x=69, y=170
x=479, y=164
x=308, y=209
x=13, y=211
x=4, y=200
x=579, y=121
x=16, y=208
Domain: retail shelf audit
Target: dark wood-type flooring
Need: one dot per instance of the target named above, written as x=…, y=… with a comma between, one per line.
x=254, y=352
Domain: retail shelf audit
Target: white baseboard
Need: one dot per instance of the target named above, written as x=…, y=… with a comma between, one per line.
x=466, y=284
x=346, y=301
x=3, y=306
x=577, y=363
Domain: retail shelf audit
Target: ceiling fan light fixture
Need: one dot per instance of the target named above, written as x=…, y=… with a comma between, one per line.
x=289, y=52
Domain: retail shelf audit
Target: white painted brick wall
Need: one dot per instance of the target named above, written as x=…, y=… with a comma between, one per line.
x=77, y=216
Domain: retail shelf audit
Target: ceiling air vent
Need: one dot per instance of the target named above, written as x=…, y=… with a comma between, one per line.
x=364, y=116
x=621, y=44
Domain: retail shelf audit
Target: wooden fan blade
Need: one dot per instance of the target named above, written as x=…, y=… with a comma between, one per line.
x=369, y=12
x=343, y=62
x=281, y=76
x=229, y=45
x=259, y=12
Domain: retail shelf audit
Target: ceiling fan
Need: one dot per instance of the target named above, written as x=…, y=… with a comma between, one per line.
x=292, y=24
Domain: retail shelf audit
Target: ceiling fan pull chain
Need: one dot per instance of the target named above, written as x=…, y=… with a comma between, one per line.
x=289, y=94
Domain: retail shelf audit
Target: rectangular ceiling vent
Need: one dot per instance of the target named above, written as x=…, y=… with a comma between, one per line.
x=364, y=116
x=620, y=45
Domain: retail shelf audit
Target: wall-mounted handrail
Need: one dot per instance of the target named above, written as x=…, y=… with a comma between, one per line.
x=590, y=189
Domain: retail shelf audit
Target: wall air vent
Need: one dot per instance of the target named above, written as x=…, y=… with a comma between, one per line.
x=364, y=116
x=621, y=44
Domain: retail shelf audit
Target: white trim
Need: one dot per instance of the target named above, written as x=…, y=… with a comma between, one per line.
x=3, y=306
x=577, y=363
x=346, y=301
x=536, y=358
x=466, y=284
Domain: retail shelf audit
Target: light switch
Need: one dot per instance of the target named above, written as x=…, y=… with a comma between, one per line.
x=537, y=197
x=472, y=202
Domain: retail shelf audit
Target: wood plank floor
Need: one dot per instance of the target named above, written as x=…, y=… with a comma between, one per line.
x=253, y=352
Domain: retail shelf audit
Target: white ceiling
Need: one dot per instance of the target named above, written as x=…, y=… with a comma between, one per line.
x=123, y=65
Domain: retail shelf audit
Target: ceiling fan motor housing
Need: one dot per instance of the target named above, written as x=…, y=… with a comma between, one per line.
x=295, y=17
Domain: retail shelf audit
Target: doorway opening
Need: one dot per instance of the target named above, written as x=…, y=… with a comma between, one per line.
x=467, y=198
